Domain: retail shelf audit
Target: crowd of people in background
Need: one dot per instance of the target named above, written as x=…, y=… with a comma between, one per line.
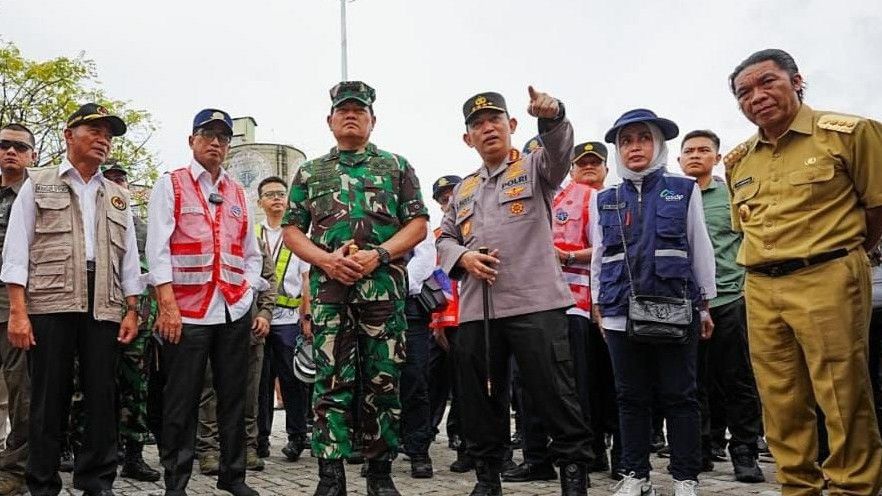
x=698, y=317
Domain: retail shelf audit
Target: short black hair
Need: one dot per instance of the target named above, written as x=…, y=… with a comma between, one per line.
x=21, y=128
x=270, y=180
x=702, y=133
x=781, y=58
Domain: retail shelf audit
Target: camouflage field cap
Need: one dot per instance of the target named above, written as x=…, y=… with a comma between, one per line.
x=352, y=90
x=483, y=101
x=593, y=147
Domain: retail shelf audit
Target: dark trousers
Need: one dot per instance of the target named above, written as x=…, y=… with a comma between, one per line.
x=442, y=383
x=874, y=359
x=184, y=364
x=278, y=362
x=539, y=343
x=535, y=435
x=416, y=430
x=670, y=370
x=59, y=338
x=724, y=359
x=601, y=388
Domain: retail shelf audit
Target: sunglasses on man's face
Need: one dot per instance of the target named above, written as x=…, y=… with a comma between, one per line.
x=20, y=146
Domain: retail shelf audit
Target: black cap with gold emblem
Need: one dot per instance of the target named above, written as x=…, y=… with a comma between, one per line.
x=593, y=147
x=483, y=101
x=91, y=112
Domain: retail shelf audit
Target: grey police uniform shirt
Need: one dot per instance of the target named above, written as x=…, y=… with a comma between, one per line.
x=510, y=210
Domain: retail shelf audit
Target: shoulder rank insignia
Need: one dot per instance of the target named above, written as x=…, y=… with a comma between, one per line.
x=839, y=123
x=734, y=156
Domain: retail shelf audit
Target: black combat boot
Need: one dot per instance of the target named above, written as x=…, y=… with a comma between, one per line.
x=332, y=478
x=488, y=479
x=574, y=479
x=134, y=466
x=294, y=448
x=379, y=480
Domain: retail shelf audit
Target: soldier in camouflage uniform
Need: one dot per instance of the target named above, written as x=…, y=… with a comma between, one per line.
x=133, y=366
x=356, y=197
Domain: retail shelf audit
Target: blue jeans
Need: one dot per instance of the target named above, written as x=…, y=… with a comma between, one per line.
x=670, y=371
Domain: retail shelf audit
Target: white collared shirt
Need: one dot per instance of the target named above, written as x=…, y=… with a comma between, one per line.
x=161, y=226
x=421, y=264
x=20, y=233
x=293, y=283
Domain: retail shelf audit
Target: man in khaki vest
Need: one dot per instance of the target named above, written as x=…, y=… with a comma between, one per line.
x=70, y=263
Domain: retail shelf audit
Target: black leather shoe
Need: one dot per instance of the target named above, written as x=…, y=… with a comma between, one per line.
x=421, y=467
x=237, y=489
x=464, y=463
x=294, y=449
x=67, y=462
x=134, y=466
x=718, y=454
x=379, y=480
x=488, y=479
x=332, y=478
x=527, y=472
x=574, y=479
x=744, y=463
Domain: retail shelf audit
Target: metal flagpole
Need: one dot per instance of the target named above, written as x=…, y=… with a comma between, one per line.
x=343, y=61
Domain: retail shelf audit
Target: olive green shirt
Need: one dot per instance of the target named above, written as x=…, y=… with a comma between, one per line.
x=730, y=275
x=806, y=194
x=366, y=197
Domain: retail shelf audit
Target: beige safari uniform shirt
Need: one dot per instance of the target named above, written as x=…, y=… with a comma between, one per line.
x=509, y=209
x=805, y=195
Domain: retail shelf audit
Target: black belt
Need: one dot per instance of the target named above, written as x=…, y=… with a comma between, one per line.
x=90, y=265
x=777, y=269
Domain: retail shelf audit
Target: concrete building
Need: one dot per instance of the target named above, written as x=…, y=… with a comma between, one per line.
x=251, y=162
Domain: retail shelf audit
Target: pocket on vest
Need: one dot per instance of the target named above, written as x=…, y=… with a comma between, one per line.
x=53, y=214
x=51, y=270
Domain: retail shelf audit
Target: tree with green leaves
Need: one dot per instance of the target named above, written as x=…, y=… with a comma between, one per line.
x=42, y=94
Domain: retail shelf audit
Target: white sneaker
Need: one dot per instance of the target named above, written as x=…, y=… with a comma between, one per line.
x=686, y=488
x=632, y=486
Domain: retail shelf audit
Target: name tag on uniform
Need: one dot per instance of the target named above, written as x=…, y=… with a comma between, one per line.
x=743, y=182
x=191, y=209
x=614, y=206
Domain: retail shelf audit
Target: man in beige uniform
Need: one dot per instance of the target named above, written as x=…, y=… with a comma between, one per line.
x=71, y=250
x=807, y=194
x=504, y=205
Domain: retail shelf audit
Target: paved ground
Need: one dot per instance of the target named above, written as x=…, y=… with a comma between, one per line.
x=293, y=479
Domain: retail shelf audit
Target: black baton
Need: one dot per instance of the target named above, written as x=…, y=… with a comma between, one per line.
x=485, y=296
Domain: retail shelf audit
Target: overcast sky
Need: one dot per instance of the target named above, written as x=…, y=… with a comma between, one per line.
x=276, y=60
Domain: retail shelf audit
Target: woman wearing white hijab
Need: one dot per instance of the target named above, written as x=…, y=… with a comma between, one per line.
x=649, y=235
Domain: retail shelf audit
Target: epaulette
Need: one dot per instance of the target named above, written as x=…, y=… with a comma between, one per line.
x=838, y=122
x=735, y=155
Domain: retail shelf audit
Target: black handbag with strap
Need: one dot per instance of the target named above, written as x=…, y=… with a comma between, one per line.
x=654, y=319
x=431, y=296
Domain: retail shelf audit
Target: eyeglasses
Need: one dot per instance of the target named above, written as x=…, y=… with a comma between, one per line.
x=273, y=195
x=20, y=146
x=210, y=134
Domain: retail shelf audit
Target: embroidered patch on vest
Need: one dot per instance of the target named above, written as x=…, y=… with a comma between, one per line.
x=118, y=203
x=517, y=208
x=51, y=188
x=561, y=215
x=236, y=211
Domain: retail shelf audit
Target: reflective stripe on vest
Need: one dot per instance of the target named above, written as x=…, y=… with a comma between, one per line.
x=207, y=248
x=282, y=300
x=570, y=209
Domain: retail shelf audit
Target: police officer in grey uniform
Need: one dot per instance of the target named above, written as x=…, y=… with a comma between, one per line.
x=504, y=206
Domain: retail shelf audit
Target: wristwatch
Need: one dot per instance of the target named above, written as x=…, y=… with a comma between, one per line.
x=571, y=259
x=385, y=258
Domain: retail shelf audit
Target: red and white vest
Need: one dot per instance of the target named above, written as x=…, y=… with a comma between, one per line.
x=570, y=209
x=207, y=250
x=449, y=316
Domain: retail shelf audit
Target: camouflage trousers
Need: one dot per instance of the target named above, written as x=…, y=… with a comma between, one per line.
x=359, y=351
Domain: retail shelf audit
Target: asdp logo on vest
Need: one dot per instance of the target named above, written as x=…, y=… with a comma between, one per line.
x=670, y=196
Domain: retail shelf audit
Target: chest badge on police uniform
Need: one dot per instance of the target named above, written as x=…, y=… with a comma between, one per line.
x=561, y=216
x=514, y=191
x=118, y=203
x=517, y=208
x=466, y=228
x=744, y=212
